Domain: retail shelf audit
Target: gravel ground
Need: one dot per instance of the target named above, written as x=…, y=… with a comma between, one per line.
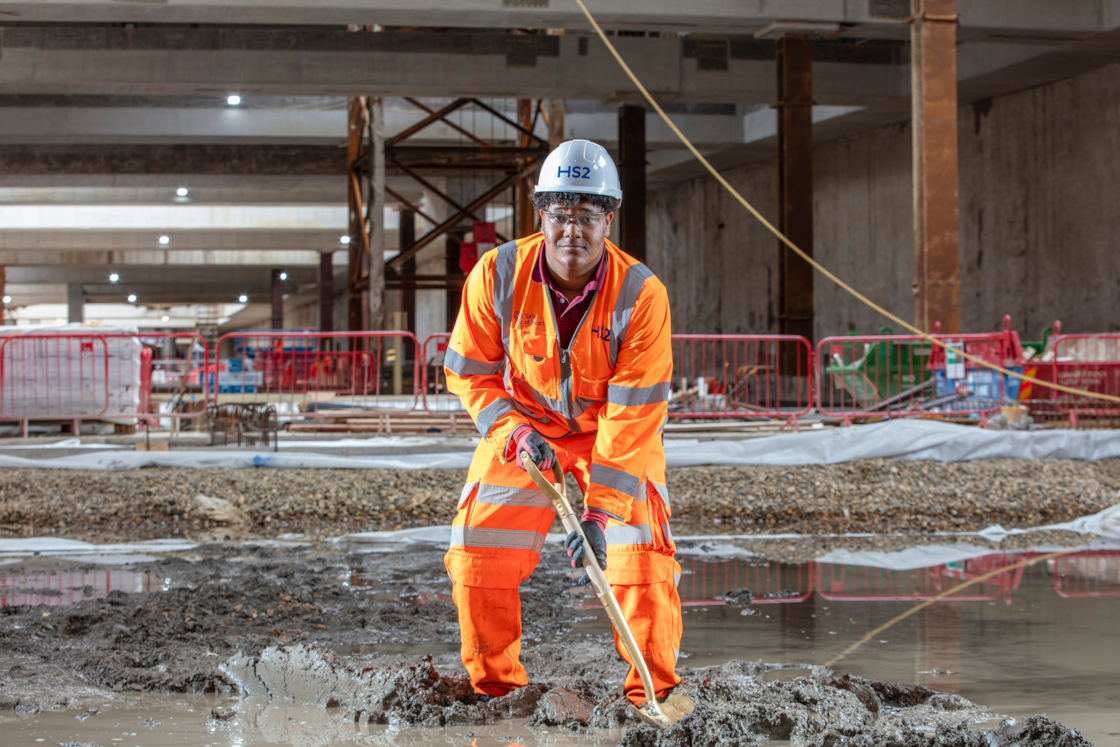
x=867, y=496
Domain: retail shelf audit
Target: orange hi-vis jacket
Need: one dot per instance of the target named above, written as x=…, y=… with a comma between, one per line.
x=613, y=379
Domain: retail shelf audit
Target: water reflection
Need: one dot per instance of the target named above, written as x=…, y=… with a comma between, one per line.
x=60, y=588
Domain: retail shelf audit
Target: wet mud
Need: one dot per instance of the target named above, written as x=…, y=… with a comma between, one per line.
x=371, y=638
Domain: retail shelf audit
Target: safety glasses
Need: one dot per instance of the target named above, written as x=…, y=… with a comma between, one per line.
x=585, y=220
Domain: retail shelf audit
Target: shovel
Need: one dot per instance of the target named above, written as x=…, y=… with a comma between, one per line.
x=676, y=706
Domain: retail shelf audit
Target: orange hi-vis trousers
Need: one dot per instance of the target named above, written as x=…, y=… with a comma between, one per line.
x=496, y=541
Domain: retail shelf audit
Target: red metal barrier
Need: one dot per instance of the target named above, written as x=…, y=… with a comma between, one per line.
x=319, y=374
x=906, y=375
x=76, y=376
x=1091, y=363
x=854, y=583
x=1093, y=573
x=437, y=400
x=741, y=376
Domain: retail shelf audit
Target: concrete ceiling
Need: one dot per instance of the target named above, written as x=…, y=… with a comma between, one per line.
x=108, y=107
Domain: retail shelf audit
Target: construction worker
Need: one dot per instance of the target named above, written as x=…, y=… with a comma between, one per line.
x=562, y=350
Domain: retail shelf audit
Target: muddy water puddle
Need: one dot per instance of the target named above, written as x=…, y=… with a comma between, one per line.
x=61, y=588
x=217, y=721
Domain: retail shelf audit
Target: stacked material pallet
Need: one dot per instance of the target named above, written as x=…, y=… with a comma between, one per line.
x=390, y=422
x=63, y=372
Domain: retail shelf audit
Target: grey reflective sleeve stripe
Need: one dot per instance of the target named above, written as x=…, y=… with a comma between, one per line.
x=633, y=396
x=616, y=517
x=629, y=534
x=553, y=404
x=662, y=490
x=610, y=477
x=504, y=267
x=461, y=365
x=490, y=415
x=632, y=283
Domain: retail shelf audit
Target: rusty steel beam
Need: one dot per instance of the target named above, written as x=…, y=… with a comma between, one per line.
x=933, y=49
x=428, y=110
x=398, y=261
x=407, y=236
x=795, y=184
x=427, y=121
x=358, y=246
x=515, y=125
x=632, y=174
x=524, y=207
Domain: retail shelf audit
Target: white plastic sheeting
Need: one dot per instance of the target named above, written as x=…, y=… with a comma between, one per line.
x=900, y=439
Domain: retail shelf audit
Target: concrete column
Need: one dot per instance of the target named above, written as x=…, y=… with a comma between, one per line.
x=359, y=257
x=75, y=299
x=555, y=122
x=326, y=292
x=277, y=300
x=795, y=185
x=933, y=49
x=376, y=241
x=632, y=174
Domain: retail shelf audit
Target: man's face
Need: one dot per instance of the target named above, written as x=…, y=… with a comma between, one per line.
x=575, y=245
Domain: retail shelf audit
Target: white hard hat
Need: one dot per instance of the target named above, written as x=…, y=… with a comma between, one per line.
x=580, y=166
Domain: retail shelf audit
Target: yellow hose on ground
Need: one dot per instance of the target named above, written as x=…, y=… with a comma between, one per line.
x=919, y=607
x=817, y=265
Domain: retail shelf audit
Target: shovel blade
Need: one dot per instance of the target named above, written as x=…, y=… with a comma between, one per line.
x=668, y=712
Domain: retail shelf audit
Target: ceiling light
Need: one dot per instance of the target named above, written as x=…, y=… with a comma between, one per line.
x=243, y=298
x=132, y=298
x=344, y=240
x=283, y=276
x=114, y=277
x=234, y=100
x=7, y=299
x=165, y=239
x=166, y=318
x=182, y=191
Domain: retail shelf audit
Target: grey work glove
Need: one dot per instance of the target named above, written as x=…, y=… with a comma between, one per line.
x=527, y=439
x=576, y=550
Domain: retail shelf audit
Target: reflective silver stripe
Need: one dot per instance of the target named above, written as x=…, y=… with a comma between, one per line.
x=542, y=419
x=580, y=405
x=610, y=477
x=553, y=404
x=662, y=491
x=490, y=415
x=636, y=276
x=634, y=396
x=676, y=655
x=461, y=365
x=466, y=493
x=676, y=579
x=505, y=267
x=667, y=532
x=510, y=539
x=629, y=534
x=642, y=492
x=616, y=517
x=566, y=382
x=501, y=495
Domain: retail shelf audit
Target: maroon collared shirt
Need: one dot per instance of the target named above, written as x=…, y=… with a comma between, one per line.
x=569, y=313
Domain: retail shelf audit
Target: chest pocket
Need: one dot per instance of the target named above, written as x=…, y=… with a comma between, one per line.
x=539, y=364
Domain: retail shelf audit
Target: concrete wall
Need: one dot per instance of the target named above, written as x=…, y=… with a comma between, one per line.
x=1039, y=185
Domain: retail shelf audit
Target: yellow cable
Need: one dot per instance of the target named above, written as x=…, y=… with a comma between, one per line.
x=816, y=265
x=942, y=595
